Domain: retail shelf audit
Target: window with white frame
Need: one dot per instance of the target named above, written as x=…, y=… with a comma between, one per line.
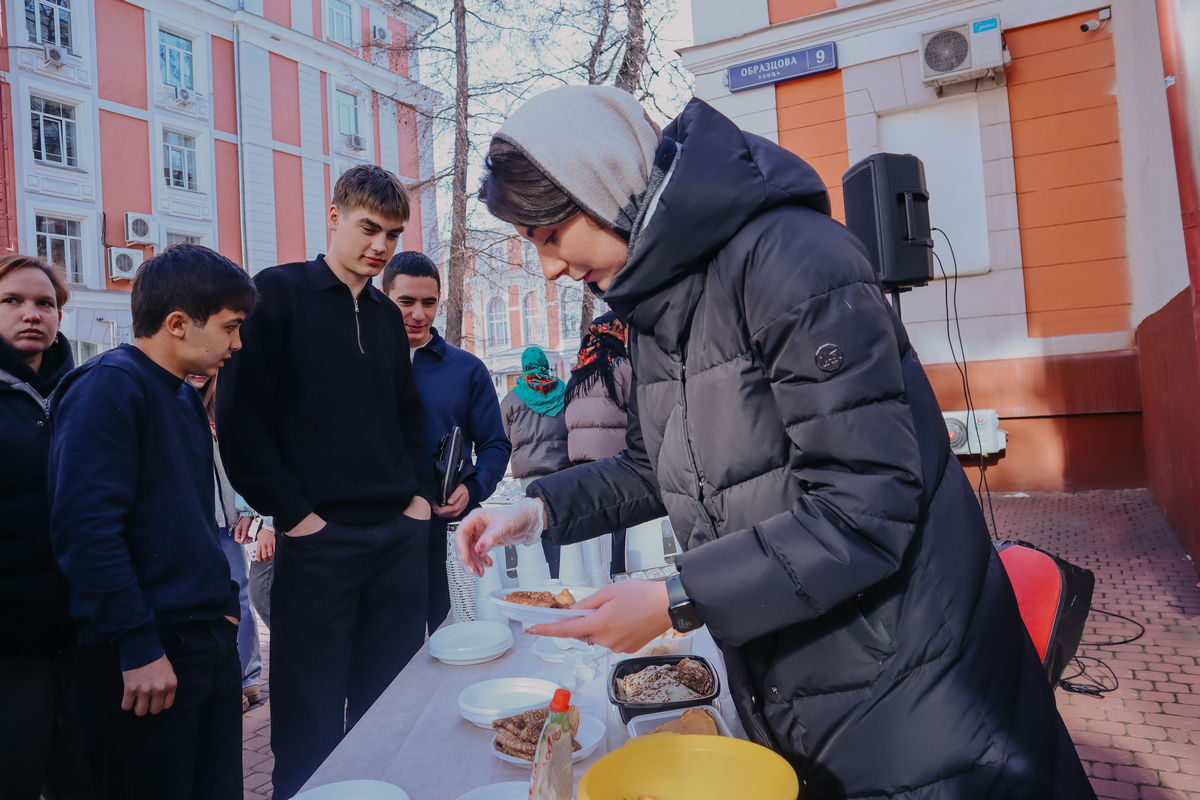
x=345, y=106
x=52, y=125
x=83, y=351
x=341, y=22
x=60, y=241
x=570, y=311
x=497, y=324
x=179, y=160
x=534, y=318
x=175, y=60
x=49, y=22
x=174, y=238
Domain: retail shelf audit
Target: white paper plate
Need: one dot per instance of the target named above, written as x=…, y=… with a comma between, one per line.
x=531, y=615
x=547, y=649
x=482, y=702
x=355, y=790
x=466, y=662
x=511, y=790
x=471, y=642
x=590, y=735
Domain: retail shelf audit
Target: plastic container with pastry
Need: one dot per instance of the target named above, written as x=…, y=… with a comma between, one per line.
x=645, y=685
x=697, y=720
x=670, y=643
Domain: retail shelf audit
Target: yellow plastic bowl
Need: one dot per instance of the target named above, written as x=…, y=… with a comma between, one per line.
x=689, y=767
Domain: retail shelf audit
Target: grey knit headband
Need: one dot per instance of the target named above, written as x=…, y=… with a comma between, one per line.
x=594, y=142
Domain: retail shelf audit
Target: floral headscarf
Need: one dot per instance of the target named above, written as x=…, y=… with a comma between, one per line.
x=537, y=387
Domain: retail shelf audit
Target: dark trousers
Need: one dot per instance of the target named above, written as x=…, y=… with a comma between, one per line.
x=191, y=751
x=30, y=696
x=348, y=609
x=438, y=603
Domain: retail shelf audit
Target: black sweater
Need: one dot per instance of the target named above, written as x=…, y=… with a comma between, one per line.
x=319, y=410
x=33, y=592
x=131, y=503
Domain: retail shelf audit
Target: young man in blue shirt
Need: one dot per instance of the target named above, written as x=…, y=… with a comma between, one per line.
x=156, y=683
x=321, y=428
x=456, y=389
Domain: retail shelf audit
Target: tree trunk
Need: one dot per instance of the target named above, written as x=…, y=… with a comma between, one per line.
x=630, y=73
x=587, y=310
x=456, y=279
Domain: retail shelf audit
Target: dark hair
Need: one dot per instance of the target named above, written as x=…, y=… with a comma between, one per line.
x=16, y=261
x=373, y=188
x=519, y=193
x=190, y=278
x=411, y=263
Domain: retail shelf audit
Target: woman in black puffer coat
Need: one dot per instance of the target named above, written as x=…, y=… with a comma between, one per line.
x=834, y=547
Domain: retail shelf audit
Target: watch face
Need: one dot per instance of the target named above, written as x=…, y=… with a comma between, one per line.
x=685, y=618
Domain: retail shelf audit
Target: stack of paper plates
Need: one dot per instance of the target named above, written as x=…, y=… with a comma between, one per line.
x=470, y=642
x=483, y=702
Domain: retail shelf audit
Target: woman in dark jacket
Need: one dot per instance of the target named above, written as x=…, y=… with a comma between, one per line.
x=834, y=547
x=35, y=629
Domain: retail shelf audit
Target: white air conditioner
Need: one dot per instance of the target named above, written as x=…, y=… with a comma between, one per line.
x=183, y=97
x=977, y=433
x=123, y=262
x=380, y=34
x=963, y=53
x=140, y=229
x=354, y=141
x=55, y=57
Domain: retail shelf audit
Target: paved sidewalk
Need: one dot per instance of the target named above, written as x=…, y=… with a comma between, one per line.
x=1141, y=742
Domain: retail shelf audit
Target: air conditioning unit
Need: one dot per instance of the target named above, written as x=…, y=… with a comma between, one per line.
x=123, y=262
x=380, y=34
x=140, y=229
x=977, y=433
x=183, y=97
x=354, y=141
x=55, y=56
x=963, y=53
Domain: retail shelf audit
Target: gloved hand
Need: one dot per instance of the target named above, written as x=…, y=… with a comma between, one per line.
x=521, y=523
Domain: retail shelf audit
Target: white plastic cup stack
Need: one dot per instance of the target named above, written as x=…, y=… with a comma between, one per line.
x=596, y=561
x=570, y=566
x=532, y=569
x=485, y=609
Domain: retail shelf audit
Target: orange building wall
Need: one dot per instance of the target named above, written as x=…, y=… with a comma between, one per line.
x=397, y=55
x=125, y=166
x=224, y=86
x=229, y=210
x=1070, y=195
x=812, y=124
x=553, y=313
x=784, y=10
x=318, y=19
x=289, y=211
x=278, y=11
x=406, y=135
x=121, y=53
x=285, y=100
x=8, y=189
x=324, y=116
x=515, y=333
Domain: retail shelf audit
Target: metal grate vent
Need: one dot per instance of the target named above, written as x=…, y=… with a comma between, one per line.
x=946, y=51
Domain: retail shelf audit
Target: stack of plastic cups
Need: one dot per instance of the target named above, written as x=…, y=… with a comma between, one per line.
x=595, y=561
x=485, y=609
x=532, y=570
x=571, y=571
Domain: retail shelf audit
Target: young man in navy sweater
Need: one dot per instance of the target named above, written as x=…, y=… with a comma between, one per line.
x=321, y=428
x=457, y=390
x=156, y=682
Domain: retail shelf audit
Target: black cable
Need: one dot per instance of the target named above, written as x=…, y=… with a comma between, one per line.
x=1098, y=686
x=1141, y=630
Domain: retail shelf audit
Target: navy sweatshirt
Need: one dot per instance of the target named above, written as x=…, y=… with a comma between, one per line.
x=131, y=503
x=457, y=389
x=319, y=410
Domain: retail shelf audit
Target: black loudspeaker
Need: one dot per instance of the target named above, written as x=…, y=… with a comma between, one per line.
x=887, y=207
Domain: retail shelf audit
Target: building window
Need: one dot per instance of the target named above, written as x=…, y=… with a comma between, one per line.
x=346, y=109
x=60, y=241
x=175, y=60
x=53, y=126
x=49, y=22
x=534, y=317
x=341, y=22
x=570, y=311
x=83, y=351
x=497, y=324
x=174, y=238
x=179, y=160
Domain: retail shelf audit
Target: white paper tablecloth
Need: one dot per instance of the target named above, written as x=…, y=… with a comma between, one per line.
x=414, y=737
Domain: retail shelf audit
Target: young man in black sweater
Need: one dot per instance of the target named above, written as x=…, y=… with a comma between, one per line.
x=321, y=427
x=155, y=689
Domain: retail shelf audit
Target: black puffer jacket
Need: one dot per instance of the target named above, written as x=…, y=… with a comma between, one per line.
x=834, y=547
x=33, y=592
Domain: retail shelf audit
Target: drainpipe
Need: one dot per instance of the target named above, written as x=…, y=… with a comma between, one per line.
x=241, y=127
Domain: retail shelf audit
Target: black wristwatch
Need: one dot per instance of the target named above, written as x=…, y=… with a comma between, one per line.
x=684, y=616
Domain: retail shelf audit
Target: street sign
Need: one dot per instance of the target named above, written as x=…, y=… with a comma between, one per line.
x=783, y=67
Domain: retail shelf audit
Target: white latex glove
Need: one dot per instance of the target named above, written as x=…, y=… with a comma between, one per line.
x=521, y=523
